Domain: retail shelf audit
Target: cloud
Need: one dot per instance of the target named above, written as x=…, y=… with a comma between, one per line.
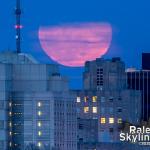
x=73, y=44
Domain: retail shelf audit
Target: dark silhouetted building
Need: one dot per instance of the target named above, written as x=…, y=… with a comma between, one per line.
x=145, y=61
x=140, y=80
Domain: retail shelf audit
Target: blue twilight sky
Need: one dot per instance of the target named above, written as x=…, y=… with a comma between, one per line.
x=130, y=20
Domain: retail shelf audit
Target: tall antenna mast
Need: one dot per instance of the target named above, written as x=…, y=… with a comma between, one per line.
x=18, y=26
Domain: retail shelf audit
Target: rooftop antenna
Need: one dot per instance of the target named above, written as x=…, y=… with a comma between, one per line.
x=18, y=26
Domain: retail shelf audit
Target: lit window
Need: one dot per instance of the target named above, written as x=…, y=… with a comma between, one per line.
x=111, y=120
x=10, y=104
x=10, y=124
x=85, y=98
x=94, y=109
x=86, y=109
x=39, y=133
x=39, y=104
x=94, y=99
x=10, y=113
x=78, y=99
x=39, y=144
x=10, y=144
x=39, y=113
x=119, y=120
x=10, y=133
x=39, y=124
x=103, y=120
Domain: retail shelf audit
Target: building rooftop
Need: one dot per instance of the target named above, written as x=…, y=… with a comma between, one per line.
x=10, y=57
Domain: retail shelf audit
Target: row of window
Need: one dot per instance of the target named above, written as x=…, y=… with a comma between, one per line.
x=94, y=99
x=111, y=120
x=86, y=109
x=94, y=110
x=86, y=98
x=100, y=77
x=39, y=124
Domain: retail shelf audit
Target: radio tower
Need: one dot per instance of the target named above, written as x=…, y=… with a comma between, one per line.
x=18, y=26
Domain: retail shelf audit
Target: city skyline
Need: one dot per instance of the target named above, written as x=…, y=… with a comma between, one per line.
x=126, y=18
x=69, y=78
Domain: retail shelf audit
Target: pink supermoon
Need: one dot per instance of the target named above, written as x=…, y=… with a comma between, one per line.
x=72, y=45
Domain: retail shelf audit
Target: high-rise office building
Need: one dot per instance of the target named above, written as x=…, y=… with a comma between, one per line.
x=37, y=108
x=107, y=99
x=140, y=80
x=145, y=61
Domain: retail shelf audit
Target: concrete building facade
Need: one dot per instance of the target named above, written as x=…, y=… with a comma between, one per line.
x=37, y=108
x=105, y=97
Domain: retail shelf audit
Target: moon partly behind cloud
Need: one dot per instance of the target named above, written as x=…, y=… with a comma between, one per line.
x=73, y=44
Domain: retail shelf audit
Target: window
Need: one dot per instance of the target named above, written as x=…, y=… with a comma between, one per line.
x=39, y=124
x=86, y=109
x=100, y=76
x=10, y=124
x=119, y=109
x=111, y=120
x=78, y=99
x=80, y=126
x=111, y=130
x=119, y=120
x=94, y=109
x=39, y=113
x=103, y=120
x=94, y=99
x=39, y=104
x=39, y=133
x=111, y=99
x=119, y=98
x=10, y=133
x=10, y=113
x=10, y=104
x=10, y=144
x=39, y=144
x=85, y=98
x=80, y=139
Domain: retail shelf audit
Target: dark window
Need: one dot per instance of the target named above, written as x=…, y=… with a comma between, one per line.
x=119, y=98
x=80, y=139
x=111, y=99
x=80, y=126
x=111, y=130
x=119, y=109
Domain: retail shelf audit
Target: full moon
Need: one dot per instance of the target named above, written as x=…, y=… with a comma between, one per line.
x=74, y=44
